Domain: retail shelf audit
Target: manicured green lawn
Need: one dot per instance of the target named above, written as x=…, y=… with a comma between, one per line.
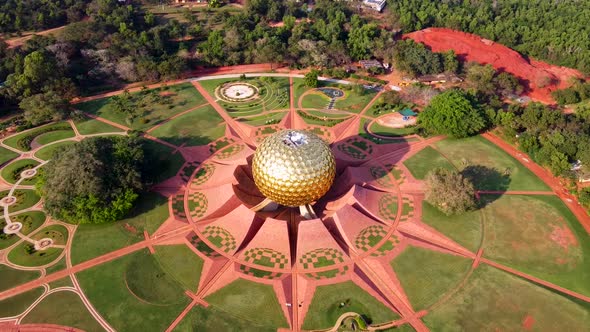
x=425, y=161
x=393, y=132
x=58, y=266
x=540, y=236
x=89, y=126
x=30, y=221
x=329, y=115
x=6, y=155
x=493, y=300
x=47, y=152
x=477, y=151
x=23, y=141
x=25, y=198
x=250, y=301
x=11, y=172
x=63, y=308
x=465, y=228
x=63, y=282
x=12, y=278
x=94, y=240
x=299, y=89
x=214, y=320
x=147, y=280
x=165, y=164
x=124, y=310
x=54, y=136
x=265, y=119
x=325, y=308
x=181, y=98
x=181, y=264
x=15, y=305
x=19, y=255
x=427, y=275
x=315, y=100
x=354, y=102
x=199, y=127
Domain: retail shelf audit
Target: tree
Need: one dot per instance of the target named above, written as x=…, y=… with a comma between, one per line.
x=481, y=78
x=449, y=191
x=44, y=107
x=452, y=113
x=450, y=62
x=93, y=181
x=507, y=84
x=311, y=79
x=566, y=96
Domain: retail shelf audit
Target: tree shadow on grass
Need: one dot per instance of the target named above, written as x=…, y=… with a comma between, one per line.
x=487, y=179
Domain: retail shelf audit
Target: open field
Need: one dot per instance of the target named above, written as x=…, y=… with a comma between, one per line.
x=212, y=319
x=12, y=277
x=88, y=126
x=325, y=308
x=113, y=299
x=63, y=308
x=427, y=275
x=425, y=161
x=94, y=240
x=502, y=171
x=181, y=264
x=166, y=163
x=538, y=235
x=171, y=101
x=495, y=301
x=16, y=305
x=250, y=301
x=465, y=229
x=199, y=127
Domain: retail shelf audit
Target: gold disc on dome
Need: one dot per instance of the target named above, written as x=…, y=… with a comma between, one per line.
x=293, y=167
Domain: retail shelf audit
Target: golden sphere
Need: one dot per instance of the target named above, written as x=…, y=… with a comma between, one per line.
x=293, y=167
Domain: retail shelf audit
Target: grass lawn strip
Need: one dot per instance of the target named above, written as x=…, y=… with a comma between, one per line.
x=16, y=305
x=265, y=119
x=479, y=151
x=214, y=320
x=53, y=136
x=393, y=132
x=427, y=275
x=538, y=235
x=88, y=126
x=12, y=277
x=11, y=172
x=425, y=161
x=6, y=155
x=250, y=301
x=23, y=141
x=63, y=308
x=493, y=300
x=465, y=228
x=325, y=308
x=180, y=263
x=47, y=152
x=92, y=240
x=199, y=127
x=123, y=310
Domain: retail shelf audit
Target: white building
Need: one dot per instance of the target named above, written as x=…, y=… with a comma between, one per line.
x=377, y=5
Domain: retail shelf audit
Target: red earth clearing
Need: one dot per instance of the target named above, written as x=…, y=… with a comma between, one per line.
x=528, y=322
x=539, y=78
x=563, y=236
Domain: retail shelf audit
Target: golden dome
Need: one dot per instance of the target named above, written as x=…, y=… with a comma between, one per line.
x=293, y=167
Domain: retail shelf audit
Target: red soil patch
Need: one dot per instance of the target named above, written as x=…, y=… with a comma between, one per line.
x=471, y=47
x=167, y=93
x=563, y=236
x=528, y=322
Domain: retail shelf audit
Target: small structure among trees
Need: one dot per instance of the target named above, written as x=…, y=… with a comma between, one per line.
x=450, y=191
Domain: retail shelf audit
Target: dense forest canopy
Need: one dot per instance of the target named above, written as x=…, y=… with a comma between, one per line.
x=555, y=31
x=25, y=15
